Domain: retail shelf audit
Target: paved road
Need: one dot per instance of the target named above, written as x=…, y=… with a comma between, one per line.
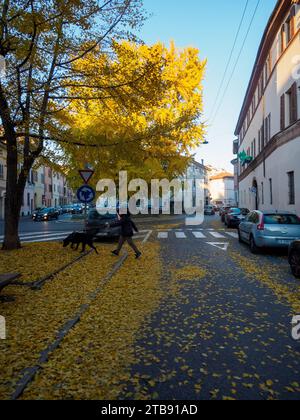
x=227, y=334
x=31, y=231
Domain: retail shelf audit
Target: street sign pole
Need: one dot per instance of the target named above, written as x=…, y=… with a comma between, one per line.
x=86, y=175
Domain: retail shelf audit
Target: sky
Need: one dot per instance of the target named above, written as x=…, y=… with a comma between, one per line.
x=211, y=26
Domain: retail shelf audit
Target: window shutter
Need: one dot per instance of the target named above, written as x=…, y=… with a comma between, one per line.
x=294, y=105
x=282, y=112
x=293, y=14
x=282, y=34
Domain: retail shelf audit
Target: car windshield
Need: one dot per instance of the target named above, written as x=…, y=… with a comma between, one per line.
x=245, y=212
x=45, y=211
x=281, y=219
x=235, y=211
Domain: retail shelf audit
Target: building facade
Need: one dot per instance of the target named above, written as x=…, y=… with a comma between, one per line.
x=268, y=127
x=38, y=190
x=221, y=187
x=197, y=171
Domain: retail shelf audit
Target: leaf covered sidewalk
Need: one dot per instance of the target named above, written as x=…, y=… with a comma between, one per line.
x=93, y=359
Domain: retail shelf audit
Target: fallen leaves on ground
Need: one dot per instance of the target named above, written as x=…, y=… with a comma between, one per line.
x=35, y=317
x=267, y=277
x=93, y=361
x=34, y=261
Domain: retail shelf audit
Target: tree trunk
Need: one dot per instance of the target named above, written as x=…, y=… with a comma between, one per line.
x=13, y=201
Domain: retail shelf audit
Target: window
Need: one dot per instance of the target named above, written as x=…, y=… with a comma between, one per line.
x=288, y=31
x=28, y=199
x=282, y=112
x=292, y=21
x=268, y=129
x=262, y=194
x=262, y=137
x=271, y=191
x=290, y=25
x=291, y=181
x=282, y=39
x=1, y=171
x=281, y=219
x=35, y=176
x=293, y=103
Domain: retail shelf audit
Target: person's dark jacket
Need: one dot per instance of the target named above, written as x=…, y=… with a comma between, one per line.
x=127, y=226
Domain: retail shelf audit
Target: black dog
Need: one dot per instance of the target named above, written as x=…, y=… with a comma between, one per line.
x=77, y=238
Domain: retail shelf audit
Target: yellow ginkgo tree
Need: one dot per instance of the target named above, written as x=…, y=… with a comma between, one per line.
x=147, y=119
x=41, y=42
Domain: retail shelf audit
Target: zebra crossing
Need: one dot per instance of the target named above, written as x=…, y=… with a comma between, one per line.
x=34, y=237
x=196, y=234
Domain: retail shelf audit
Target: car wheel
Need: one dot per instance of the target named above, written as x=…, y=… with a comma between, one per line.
x=254, y=249
x=295, y=264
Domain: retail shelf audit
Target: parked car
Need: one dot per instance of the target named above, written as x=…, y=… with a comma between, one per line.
x=67, y=209
x=269, y=230
x=209, y=210
x=294, y=258
x=223, y=213
x=235, y=216
x=39, y=209
x=77, y=209
x=97, y=225
x=45, y=215
x=59, y=210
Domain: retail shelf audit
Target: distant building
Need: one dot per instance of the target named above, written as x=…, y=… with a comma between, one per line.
x=235, y=164
x=56, y=188
x=28, y=198
x=39, y=188
x=222, y=191
x=268, y=127
x=198, y=171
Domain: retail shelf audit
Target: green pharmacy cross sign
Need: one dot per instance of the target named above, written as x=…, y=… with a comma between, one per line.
x=244, y=158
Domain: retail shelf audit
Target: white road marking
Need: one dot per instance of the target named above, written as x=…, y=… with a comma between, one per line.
x=180, y=235
x=233, y=235
x=217, y=235
x=35, y=235
x=53, y=239
x=222, y=246
x=162, y=235
x=147, y=236
x=199, y=235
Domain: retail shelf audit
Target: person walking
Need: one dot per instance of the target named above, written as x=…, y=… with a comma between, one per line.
x=127, y=231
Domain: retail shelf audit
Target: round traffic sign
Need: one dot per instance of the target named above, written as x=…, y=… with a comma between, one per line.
x=86, y=194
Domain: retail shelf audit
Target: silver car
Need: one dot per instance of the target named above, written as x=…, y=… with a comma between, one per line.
x=269, y=229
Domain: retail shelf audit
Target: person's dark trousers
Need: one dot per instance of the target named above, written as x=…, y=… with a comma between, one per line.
x=130, y=242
